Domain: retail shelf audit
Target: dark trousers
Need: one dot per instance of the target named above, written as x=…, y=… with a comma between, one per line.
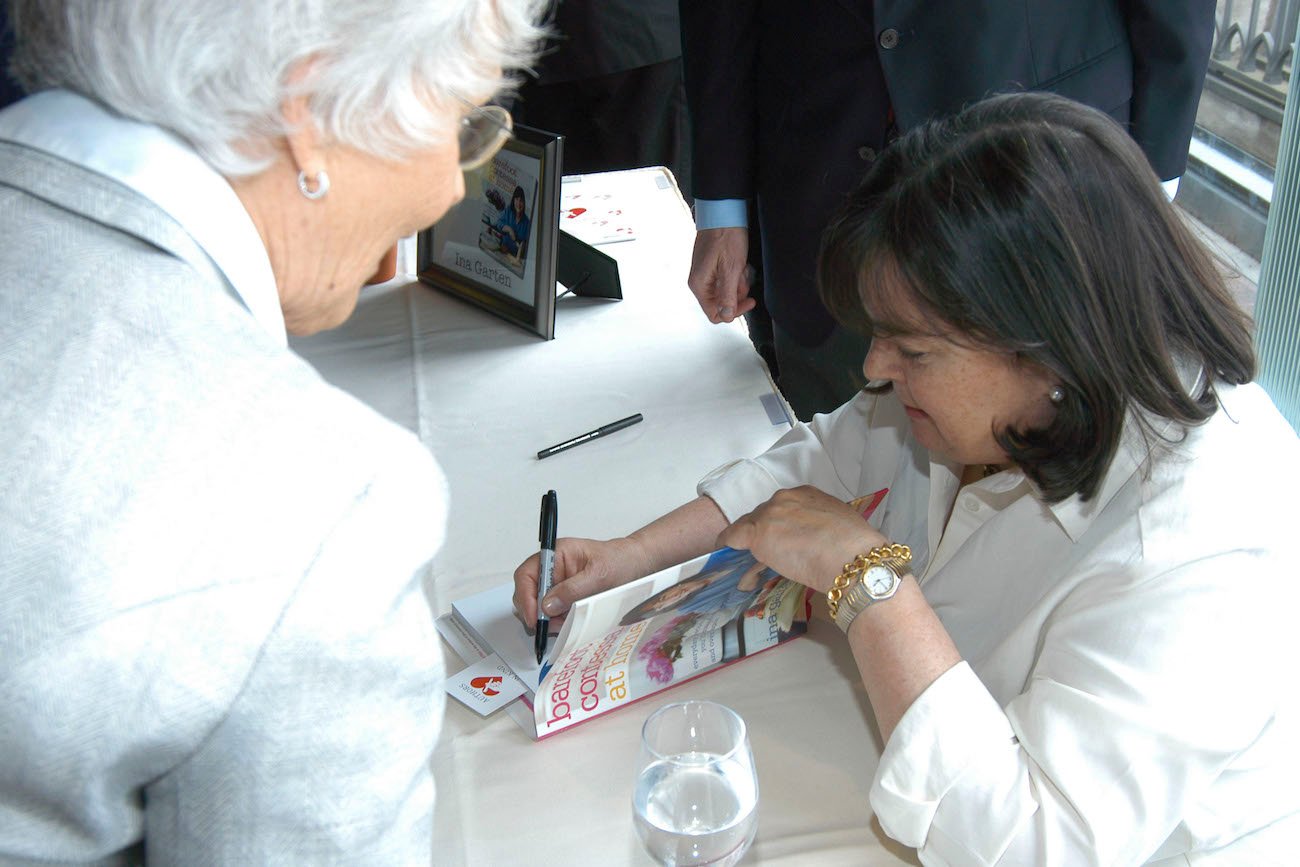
x=817, y=379
x=621, y=121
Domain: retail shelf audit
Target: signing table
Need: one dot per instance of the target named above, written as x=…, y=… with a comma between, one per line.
x=485, y=396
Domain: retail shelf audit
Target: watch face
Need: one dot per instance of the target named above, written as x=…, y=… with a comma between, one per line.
x=880, y=581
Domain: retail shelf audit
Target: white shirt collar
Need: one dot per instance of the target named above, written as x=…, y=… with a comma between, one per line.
x=1132, y=455
x=163, y=169
x=1072, y=514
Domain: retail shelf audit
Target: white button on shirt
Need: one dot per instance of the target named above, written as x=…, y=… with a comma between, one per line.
x=974, y=506
x=1128, y=691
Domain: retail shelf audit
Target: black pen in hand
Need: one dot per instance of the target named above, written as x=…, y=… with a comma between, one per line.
x=546, y=535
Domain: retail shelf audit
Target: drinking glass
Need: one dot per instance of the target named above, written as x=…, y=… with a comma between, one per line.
x=696, y=795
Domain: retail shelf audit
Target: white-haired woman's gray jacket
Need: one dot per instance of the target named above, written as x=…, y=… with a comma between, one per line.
x=213, y=637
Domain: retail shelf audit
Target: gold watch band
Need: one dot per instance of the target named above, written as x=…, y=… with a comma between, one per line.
x=852, y=572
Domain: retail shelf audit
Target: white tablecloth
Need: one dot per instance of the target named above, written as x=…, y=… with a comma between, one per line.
x=485, y=396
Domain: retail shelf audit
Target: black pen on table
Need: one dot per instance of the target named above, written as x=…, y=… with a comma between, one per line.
x=545, y=535
x=601, y=431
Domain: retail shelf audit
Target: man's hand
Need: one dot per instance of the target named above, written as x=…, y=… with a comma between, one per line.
x=717, y=276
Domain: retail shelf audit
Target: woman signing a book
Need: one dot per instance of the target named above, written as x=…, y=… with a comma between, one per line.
x=1070, y=612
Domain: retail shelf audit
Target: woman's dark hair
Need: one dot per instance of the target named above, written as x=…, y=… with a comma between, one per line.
x=1034, y=225
x=519, y=195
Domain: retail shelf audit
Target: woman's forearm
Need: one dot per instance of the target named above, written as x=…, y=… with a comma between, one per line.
x=900, y=648
x=684, y=533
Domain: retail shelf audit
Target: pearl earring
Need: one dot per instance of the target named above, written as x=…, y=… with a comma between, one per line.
x=322, y=185
x=1056, y=395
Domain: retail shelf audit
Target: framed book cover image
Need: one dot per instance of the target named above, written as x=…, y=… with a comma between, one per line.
x=497, y=247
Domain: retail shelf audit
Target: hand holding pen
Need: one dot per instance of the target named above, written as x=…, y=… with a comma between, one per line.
x=546, y=536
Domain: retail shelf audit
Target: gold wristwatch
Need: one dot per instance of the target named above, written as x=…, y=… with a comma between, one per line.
x=871, y=577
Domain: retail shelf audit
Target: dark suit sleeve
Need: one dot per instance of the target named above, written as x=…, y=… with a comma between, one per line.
x=719, y=50
x=605, y=37
x=1171, y=51
x=9, y=89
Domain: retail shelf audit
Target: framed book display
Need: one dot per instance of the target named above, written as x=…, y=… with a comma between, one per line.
x=497, y=247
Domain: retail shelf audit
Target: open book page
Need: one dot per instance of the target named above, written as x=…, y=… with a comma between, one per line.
x=490, y=620
x=472, y=649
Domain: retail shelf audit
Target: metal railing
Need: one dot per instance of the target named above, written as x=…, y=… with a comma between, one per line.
x=1229, y=181
x=1254, y=50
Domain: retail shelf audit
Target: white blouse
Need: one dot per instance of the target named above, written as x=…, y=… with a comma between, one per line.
x=1128, y=689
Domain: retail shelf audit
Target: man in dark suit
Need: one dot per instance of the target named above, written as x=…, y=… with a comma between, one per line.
x=791, y=102
x=610, y=81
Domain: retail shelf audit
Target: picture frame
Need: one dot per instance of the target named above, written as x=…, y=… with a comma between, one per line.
x=497, y=247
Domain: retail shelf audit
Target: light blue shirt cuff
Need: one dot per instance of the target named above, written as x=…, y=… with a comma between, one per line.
x=721, y=214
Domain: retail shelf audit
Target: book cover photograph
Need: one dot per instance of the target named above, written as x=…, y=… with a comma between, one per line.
x=496, y=248
x=487, y=235
x=625, y=644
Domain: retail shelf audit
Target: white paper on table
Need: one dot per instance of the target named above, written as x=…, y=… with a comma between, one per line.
x=485, y=686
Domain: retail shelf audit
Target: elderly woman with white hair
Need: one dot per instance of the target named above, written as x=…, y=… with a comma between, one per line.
x=214, y=642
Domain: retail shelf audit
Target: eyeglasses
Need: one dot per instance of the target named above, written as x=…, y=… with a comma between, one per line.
x=482, y=133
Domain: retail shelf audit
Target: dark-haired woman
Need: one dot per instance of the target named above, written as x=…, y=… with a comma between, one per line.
x=513, y=224
x=1073, y=610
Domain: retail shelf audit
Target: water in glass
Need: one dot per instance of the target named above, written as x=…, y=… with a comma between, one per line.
x=696, y=796
x=696, y=810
